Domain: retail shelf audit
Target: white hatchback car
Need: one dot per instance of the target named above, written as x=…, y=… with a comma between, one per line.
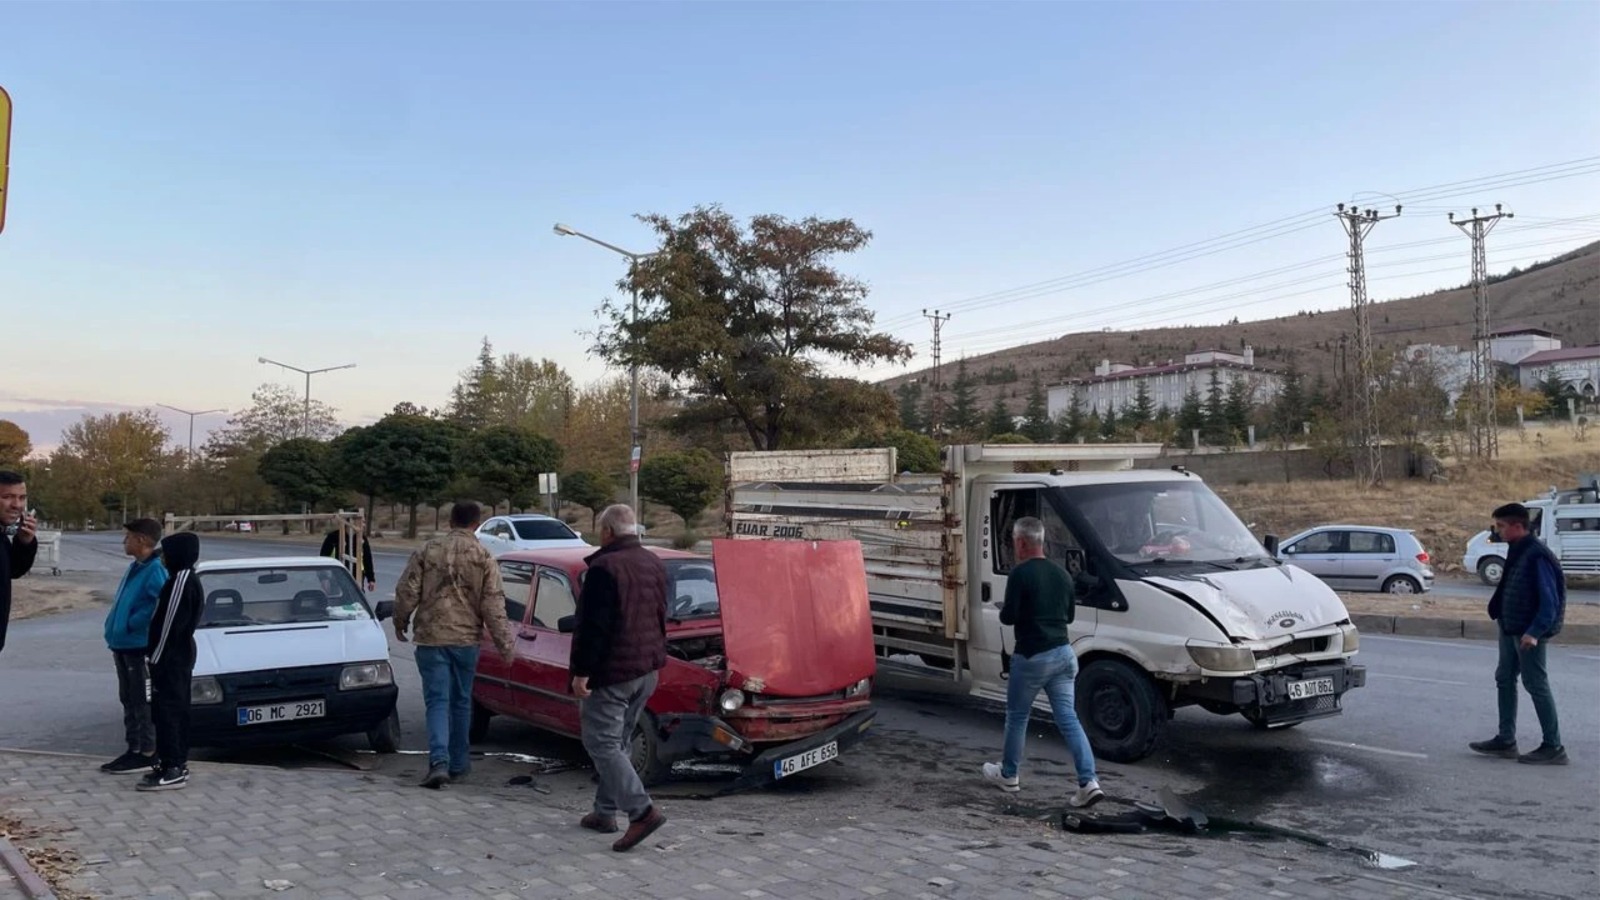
x=528, y=531
x=288, y=650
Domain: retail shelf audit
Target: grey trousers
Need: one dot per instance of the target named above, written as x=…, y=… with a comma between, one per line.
x=609, y=715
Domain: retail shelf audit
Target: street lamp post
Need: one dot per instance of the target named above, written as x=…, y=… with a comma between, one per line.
x=191, y=415
x=633, y=368
x=305, y=419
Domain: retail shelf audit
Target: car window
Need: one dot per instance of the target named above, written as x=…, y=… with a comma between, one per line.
x=544, y=530
x=1371, y=542
x=243, y=597
x=517, y=580
x=1567, y=524
x=554, y=601
x=692, y=589
x=1321, y=542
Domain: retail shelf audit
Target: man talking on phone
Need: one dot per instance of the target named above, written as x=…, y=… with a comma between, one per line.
x=18, y=547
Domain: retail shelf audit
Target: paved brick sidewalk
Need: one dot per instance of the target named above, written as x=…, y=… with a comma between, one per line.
x=333, y=834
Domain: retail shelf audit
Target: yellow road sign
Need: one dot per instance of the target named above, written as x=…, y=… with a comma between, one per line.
x=5, y=151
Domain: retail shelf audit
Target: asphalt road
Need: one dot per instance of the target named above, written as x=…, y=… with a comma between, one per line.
x=1392, y=774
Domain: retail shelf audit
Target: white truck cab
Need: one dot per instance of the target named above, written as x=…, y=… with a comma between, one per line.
x=1568, y=522
x=1178, y=603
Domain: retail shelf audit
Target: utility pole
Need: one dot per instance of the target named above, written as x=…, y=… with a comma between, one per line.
x=1357, y=223
x=1485, y=429
x=937, y=417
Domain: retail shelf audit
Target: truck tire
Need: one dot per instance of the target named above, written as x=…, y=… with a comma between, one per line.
x=1121, y=710
x=1490, y=568
x=645, y=752
x=479, y=729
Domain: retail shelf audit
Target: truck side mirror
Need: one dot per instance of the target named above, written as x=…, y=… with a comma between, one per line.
x=1271, y=543
x=384, y=610
x=567, y=624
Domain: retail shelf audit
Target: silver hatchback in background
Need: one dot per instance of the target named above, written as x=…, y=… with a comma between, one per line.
x=1362, y=558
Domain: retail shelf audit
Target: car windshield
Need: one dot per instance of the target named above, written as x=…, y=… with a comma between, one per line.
x=693, y=587
x=1172, y=521
x=542, y=530
x=290, y=595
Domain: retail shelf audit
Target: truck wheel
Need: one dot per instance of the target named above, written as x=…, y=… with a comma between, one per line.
x=385, y=736
x=479, y=729
x=1490, y=569
x=645, y=752
x=1121, y=710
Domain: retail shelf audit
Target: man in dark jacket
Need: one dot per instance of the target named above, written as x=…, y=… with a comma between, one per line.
x=1529, y=603
x=171, y=651
x=619, y=644
x=352, y=534
x=18, y=545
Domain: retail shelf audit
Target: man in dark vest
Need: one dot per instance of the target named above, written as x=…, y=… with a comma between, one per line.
x=1529, y=603
x=619, y=644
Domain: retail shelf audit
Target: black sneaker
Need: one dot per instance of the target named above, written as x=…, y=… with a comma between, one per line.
x=1496, y=746
x=1545, y=755
x=130, y=763
x=438, y=777
x=168, y=779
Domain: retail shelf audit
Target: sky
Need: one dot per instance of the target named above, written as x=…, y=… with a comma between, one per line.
x=197, y=185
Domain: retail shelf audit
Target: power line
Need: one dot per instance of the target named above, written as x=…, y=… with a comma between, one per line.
x=1253, y=235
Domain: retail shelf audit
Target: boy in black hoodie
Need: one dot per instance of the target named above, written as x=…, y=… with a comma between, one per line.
x=171, y=654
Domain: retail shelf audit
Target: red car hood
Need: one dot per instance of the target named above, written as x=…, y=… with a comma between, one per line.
x=795, y=619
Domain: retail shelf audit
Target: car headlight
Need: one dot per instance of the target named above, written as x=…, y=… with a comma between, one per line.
x=1352, y=638
x=365, y=675
x=204, y=690
x=731, y=699
x=1221, y=658
x=859, y=688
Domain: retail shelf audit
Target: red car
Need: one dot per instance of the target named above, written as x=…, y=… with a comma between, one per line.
x=770, y=655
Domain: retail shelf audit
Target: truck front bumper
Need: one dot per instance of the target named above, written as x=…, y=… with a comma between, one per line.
x=1272, y=698
x=696, y=735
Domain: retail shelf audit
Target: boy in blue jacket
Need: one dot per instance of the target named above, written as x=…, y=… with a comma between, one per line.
x=128, y=636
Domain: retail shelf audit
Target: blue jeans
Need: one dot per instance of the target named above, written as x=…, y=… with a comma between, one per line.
x=1055, y=672
x=447, y=690
x=1529, y=664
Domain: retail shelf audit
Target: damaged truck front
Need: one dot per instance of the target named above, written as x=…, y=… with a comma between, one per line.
x=1178, y=603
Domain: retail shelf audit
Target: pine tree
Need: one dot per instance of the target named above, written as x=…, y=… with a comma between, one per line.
x=964, y=408
x=1216, y=422
x=1238, y=406
x=1071, y=426
x=1108, y=425
x=910, y=395
x=1290, y=408
x=1142, y=411
x=999, y=420
x=1037, y=426
x=1191, y=416
x=473, y=396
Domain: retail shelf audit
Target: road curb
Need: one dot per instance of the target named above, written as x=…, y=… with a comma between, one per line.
x=1472, y=629
x=34, y=887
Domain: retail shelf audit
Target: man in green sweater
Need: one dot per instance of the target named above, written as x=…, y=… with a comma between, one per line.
x=1039, y=605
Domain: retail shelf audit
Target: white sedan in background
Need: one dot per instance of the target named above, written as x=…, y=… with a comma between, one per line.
x=529, y=531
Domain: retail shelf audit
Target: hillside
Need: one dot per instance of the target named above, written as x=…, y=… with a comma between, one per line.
x=1561, y=295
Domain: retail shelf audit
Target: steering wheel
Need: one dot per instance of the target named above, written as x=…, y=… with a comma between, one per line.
x=682, y=605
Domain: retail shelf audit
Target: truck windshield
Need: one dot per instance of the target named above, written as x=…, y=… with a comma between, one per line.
x=1173, y=521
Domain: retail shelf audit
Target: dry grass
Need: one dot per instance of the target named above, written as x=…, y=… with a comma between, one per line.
x=1444, y=514
x=45, y=595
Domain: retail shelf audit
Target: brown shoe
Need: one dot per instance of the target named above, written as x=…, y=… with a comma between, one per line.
x=596, y=822
x=639, y=830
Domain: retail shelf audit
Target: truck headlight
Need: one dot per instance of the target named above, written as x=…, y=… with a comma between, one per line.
x=859, y=688
x=1223, y=658
x=1352, y=638
x=204, y=690
x=365, y=675
x=731, y=700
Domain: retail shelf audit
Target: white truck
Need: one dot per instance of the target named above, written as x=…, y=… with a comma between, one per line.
x=1178, y=603
x=1567, y=521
